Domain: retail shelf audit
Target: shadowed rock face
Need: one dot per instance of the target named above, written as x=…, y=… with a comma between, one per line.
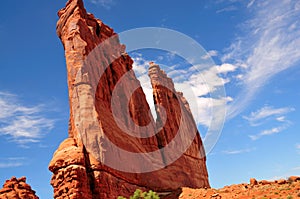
x=18, y=189
x=106, y=156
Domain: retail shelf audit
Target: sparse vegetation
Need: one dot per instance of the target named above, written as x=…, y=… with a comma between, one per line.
x=289, y=197
x=138, y=194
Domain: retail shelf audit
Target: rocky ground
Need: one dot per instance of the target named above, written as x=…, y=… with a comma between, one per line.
x=280, y=189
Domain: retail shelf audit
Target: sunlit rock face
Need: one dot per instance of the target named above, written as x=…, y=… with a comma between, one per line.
x=17, y=188
x=115, y=146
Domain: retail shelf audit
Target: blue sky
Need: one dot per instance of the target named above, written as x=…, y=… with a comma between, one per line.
x=254, y=45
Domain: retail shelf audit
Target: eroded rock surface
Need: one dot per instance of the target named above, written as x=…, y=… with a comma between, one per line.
x=17, y=189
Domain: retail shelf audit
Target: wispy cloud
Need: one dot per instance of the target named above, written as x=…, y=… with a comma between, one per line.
x=268, y=132
x=268, y=46
x=227, y=9
x=107, y=4
x=295, y=169
x=268, y=113
x=250, y=3
x=258, y=117
x=22, y=124
x=11, y=162
x=281, y=119
x=10, y=165
x=241, y=151
x=298, y=148
x=209, y=54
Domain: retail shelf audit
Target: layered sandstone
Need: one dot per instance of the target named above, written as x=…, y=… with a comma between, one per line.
x=114, y=144
x=17, y=189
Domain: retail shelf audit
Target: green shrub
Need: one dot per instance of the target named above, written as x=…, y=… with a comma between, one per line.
x=138, y=194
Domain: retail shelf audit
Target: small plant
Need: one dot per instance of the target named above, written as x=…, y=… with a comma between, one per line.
x=289, y=197
x=138, y=194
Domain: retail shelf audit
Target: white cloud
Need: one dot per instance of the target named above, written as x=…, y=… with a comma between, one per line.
x=197, y=87
x=250, y=3
x=204, y=108
x=281, y=119
x=9, y=165
x=22, y=124
x=140, y=65
x=268, y=113
x=196, y=83
x=107, y=4
x=227, y=9
x=271, y=131
x=269, y=46
x=11, y=162
x=211, y=53
x=9, y=107
x=206, y=81
x=257, y=117
x=267, y=132
x=225, y=68
x=241, y=151
x=28, y=128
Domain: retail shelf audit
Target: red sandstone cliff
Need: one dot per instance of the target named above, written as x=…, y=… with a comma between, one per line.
x=114, y=144
x=179, y=130
x=17, y=189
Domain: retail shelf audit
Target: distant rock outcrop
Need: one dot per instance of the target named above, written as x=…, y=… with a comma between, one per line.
x=281, y=188
x=17, y=189
x=99, y=159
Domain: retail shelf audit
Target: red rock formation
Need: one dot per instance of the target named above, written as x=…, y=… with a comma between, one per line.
x=178, y=135
x=17, y=189
x=294, y=178
x=253, y=181
x=113, y=148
